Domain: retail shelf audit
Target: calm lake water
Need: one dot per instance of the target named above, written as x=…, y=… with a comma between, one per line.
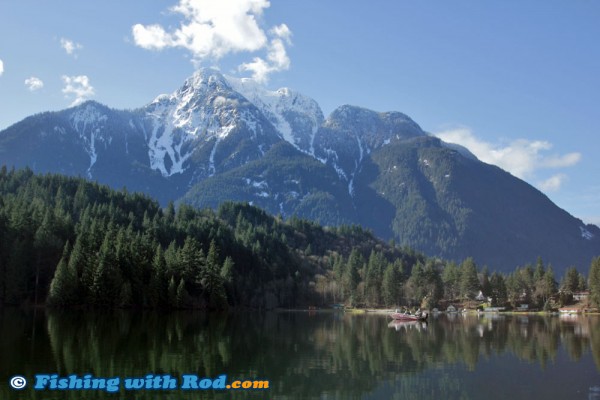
x=323, y=355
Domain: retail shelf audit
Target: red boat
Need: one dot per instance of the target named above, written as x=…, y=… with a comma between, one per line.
x=398, y=316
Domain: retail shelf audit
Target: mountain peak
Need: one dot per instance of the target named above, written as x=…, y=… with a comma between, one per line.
x=295, y=116
x=201, y=81
x=87, y=113
x=210, y=77
x=90, y=104
x=347, y=116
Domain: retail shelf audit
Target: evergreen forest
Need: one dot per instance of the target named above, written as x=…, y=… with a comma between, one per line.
x=68, y=242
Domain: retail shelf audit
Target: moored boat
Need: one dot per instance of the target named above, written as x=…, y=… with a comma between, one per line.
x=399, y=316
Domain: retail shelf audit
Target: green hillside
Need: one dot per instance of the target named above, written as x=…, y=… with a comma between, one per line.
x=79, y=243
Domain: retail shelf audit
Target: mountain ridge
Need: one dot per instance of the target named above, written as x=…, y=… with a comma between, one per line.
x=218, y=138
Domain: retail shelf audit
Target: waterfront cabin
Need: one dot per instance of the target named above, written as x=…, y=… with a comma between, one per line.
x=581, y=296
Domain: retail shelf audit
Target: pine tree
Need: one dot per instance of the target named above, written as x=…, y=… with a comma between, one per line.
x=539, y=284
x=170, y=213
x=594, y=281
x=191, y=259
x=107, y=282
x=373, y=278
x=338, y=267
x=451, y=281
x=227, y=270
x=550, y=286
x=392, y=284
x=570, y=282
x=485, y=282
x=158, y=285
x=469, y=282
x=211, y=280
x=46, y=244
x=540, y=271
x=172, y=261
x=498, y=289
x=416, y=283
x=582, y=283
x=227, y=276
x=81, y=263
x=84, y=258
x=64, y=288
x=351, y=277
x=433, y=285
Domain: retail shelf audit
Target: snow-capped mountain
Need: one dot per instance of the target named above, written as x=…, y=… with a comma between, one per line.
x=219, y=138
x=200, y=124
x=295, y=116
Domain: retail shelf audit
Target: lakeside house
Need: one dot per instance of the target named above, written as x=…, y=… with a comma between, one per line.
x=581, y=296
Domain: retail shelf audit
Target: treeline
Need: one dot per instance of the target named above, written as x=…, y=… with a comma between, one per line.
x=430, y=282
x=70, y=242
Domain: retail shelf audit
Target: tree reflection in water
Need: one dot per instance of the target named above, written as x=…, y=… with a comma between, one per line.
x=322, y=355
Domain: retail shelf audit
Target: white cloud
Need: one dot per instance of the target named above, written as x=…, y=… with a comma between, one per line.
x=277, y=58
x=282, y=31
x=34, y=83
x=70, y=47
x=1, y=67
x=566, y=160
x=521, y=157
x=151, y=37
x=212, y=29
x=553, y=183
x=78, y=87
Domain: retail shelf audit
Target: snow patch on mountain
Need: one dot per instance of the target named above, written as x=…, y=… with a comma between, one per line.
x=296, y=117
x=585, y=233
x=60, y=130
x=257, y=184
x=211, y=158
x=166, y=140
x=333, y=158
x=266, y=101
x=89, y=123
x=356, y=166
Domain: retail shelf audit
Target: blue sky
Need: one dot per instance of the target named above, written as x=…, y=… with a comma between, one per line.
x=516, y=82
